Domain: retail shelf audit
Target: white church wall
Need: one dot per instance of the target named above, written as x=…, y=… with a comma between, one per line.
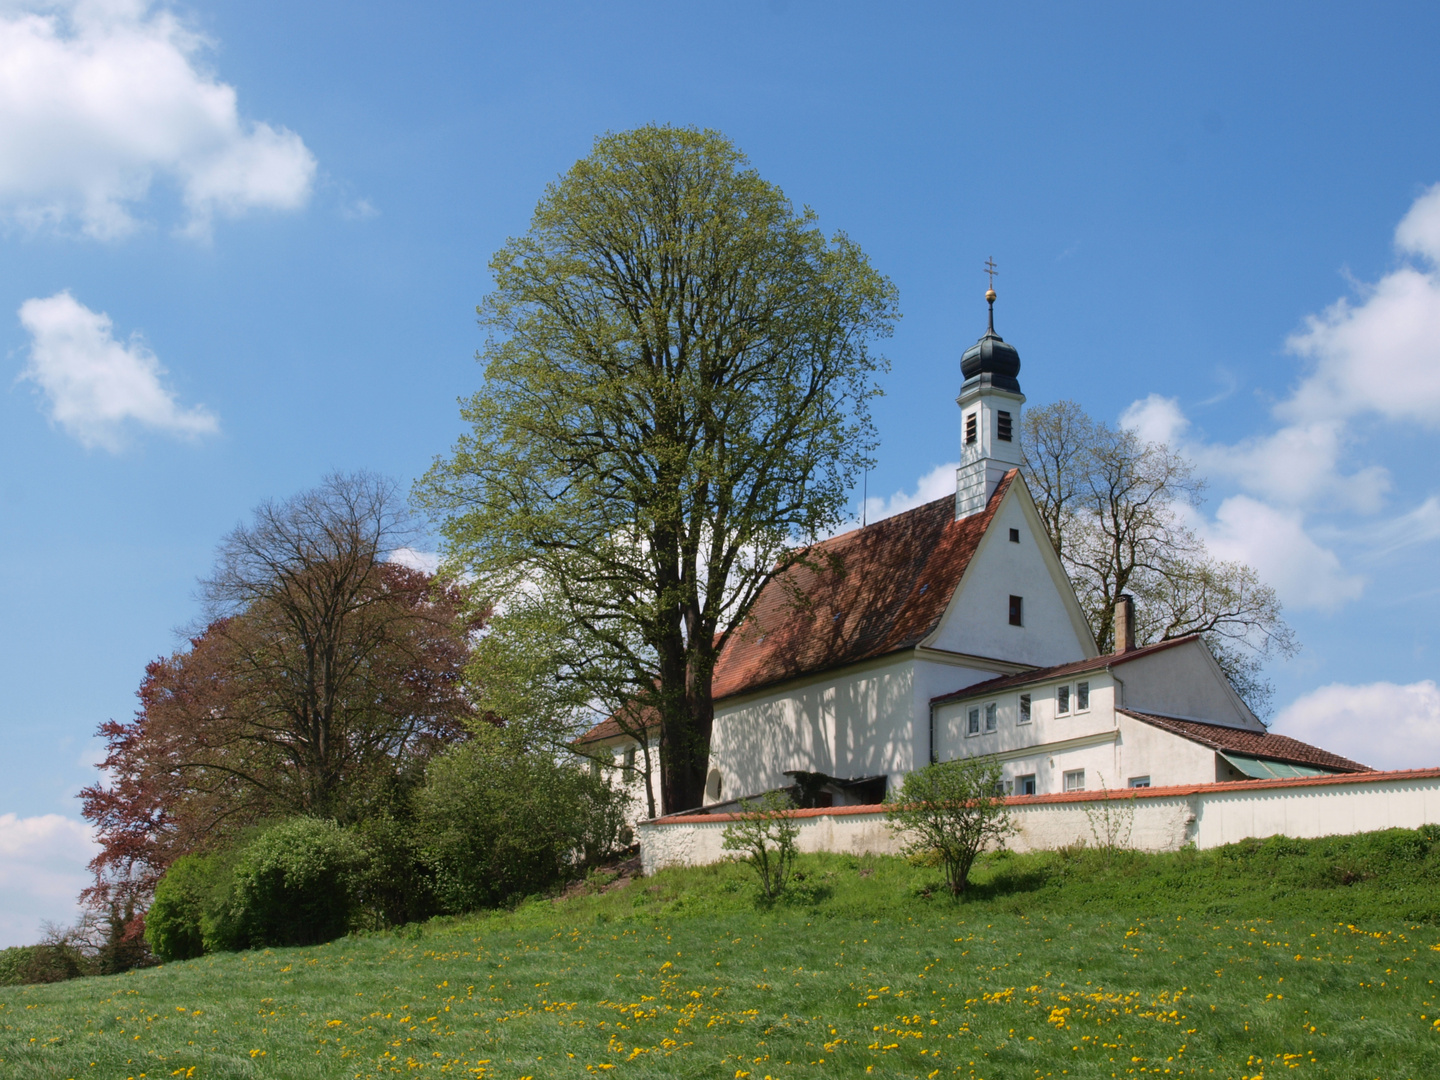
x=1163, y=819
x=857, y=721
x=1164, y=757
x=631, y=781
x=1182, y=681
x=977, y=621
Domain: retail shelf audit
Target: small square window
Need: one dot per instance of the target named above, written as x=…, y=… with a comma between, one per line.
x=1024, y=708
x=1014, y=536
x=1025, y=785
x=990, y=717
x=972, y=722
x=1017, y=611
x=1062, y=700
x=972, y=429
x=1082, y=696
x=1075, y=780
x=1139, y=781
x=1003, y=426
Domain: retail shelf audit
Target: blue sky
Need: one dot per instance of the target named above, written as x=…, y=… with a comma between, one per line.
x=243, y=244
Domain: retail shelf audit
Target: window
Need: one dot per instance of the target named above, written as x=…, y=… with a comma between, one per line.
x=1009, y=786
x=1002, y=426
x=595, y=767
x=1025, y=785
x=1017, y=611
x=630, y=756
x=972, y=722
x=1024, y=708
x=990, y=717
x=1062, y=700
x=1139, y=781
x=1075, y=780
x=1014, y=536
x=1082, y=696
x=971, y=429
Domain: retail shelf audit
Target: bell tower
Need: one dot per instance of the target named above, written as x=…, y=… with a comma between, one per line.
x=990, y=401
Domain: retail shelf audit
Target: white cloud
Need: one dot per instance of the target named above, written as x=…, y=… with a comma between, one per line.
x=94, y=384
x=1383, y=724
x=1419, y=526
x=101, y=98
x=937, y=483
x=1380, y=354
x=425, y=561
x=42, y=870
x=1275, y=543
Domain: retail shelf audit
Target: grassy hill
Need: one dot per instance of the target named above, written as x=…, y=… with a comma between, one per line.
x=1293, y=958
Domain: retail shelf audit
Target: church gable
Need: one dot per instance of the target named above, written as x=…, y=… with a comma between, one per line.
x=1015, y=561
x=864, y=594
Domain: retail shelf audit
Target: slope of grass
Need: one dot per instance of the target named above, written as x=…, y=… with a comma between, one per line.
x=1293, y=958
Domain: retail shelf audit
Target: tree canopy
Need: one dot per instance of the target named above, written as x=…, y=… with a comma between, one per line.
x=675, y=399
x=323, y=674
x=1115, y=507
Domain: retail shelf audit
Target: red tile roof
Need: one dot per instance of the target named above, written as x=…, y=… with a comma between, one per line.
x=1059, y=671
x=1260, y=744
x=871, y=591
x=610, y=728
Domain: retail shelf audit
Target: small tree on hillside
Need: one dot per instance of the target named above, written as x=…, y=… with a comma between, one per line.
x=764, y=835
x=952, y=809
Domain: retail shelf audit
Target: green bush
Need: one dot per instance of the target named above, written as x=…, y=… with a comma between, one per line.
x=498, y=821
x=395, y=885
x=764, y=834
x=186, y=900
x=294, y=884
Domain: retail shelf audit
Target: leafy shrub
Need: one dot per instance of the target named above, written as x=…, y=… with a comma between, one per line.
x=951, y=808
x=500, y=821
x=186, y=901
x=293, y=884
x=394, y=885
x=765, y=835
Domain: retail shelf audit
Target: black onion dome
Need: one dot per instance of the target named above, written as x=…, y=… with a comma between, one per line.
x=993, y=357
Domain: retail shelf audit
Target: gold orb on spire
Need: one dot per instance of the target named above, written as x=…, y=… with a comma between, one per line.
x=990, y=295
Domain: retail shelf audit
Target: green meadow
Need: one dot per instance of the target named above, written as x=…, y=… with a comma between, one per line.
x=1267, y=959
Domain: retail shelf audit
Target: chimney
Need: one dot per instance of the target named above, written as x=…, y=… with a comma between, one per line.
x=1124, y=623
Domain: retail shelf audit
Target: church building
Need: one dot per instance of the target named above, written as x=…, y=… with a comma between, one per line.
x=952, y=630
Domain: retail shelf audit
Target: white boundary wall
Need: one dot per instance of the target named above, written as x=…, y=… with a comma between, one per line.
x=1165, y=819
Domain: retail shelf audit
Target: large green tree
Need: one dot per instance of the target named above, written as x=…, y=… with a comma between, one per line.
x=676, y=391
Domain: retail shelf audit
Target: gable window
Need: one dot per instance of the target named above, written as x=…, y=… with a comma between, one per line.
x=1139, y=781
x=972, y=721
x=1002, y=426
x=1062, y=700
x=1017, y=611
x=1025, y=785
x=972, y=429
x=1082, y=696
x=990, y=717
x=1014, y=536
x=1075, y=780
x=1024, y=709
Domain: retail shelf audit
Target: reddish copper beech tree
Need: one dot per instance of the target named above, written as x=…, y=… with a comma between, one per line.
x=325, y=675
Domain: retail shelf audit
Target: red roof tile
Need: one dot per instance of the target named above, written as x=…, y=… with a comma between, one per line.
x=1059, y=671
x=610, y=727
x=1250, y=743
x=887, y=589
